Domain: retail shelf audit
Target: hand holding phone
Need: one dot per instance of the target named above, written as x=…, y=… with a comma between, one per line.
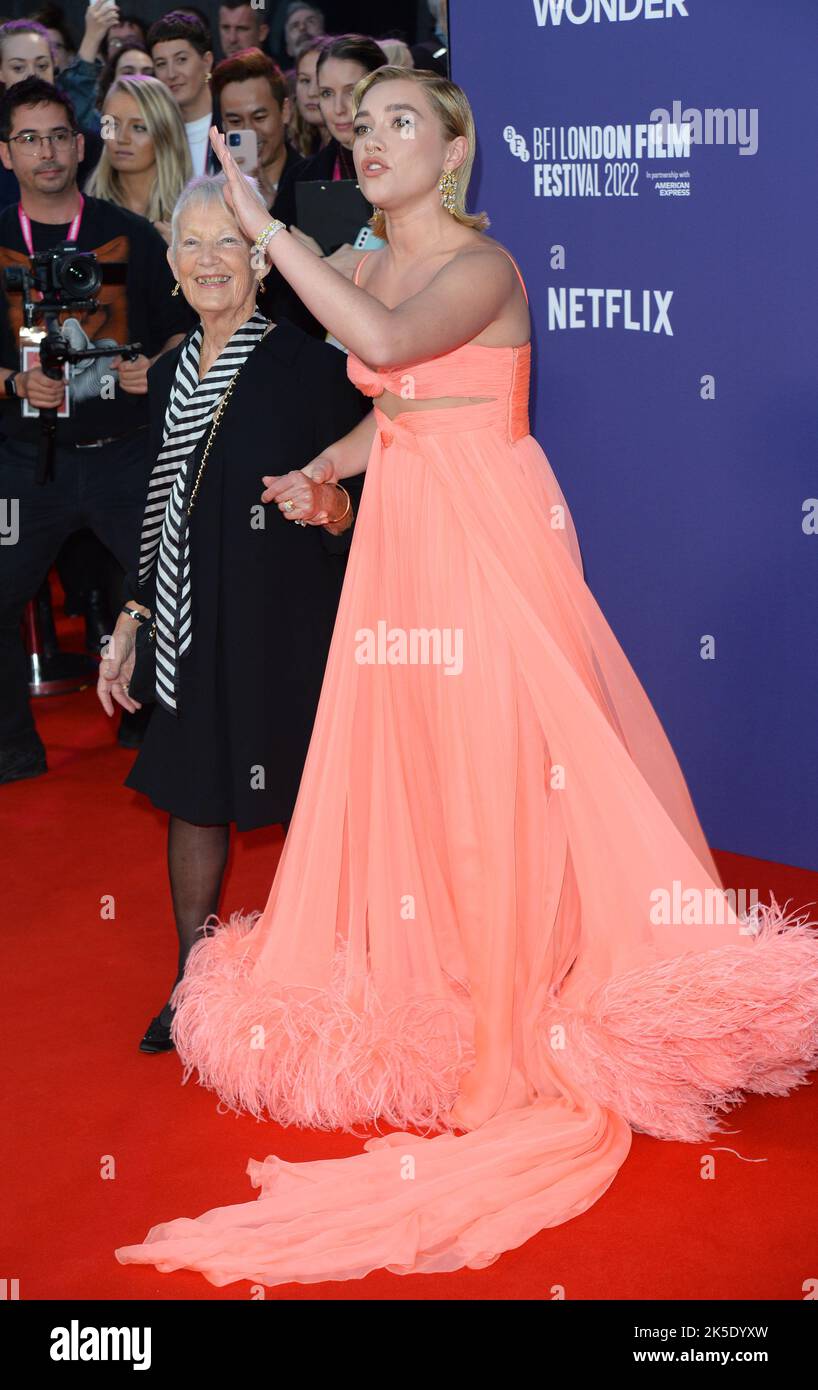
x=243, y=145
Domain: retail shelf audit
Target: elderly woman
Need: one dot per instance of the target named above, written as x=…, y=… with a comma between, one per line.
x=243, y=603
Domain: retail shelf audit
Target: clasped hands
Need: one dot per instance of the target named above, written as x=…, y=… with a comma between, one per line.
x=311, y=492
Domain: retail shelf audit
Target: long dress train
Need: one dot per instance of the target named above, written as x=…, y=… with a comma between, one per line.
x=493, y=862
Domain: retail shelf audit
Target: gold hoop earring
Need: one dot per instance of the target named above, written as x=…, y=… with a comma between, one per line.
x=448, y=189
x=175, y=289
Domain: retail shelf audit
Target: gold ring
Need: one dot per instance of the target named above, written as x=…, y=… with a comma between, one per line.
x=288, y=505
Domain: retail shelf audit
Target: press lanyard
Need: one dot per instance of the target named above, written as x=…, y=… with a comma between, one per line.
x=25, y=226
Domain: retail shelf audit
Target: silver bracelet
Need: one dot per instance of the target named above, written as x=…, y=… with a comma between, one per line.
x=264, y=238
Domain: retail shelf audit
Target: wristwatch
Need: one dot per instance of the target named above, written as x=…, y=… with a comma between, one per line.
x=11, y=389
x=135, y=614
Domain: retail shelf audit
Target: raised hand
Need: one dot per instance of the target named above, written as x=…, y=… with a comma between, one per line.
x=99, y=18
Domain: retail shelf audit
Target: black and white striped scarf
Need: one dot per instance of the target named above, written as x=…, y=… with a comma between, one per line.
x=164, y=540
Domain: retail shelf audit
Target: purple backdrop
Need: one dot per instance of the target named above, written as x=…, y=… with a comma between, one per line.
x=688, y=456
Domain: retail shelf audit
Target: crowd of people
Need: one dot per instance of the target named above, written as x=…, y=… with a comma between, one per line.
x=136, y=103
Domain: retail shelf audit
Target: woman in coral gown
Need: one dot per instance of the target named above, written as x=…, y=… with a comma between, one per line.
x=464, y=939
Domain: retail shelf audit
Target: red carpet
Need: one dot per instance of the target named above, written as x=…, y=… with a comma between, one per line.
x=105, y=1142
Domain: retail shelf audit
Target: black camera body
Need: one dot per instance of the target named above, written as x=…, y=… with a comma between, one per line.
x=65, y=277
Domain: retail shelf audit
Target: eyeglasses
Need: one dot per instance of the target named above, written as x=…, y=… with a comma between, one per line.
x=30, y=141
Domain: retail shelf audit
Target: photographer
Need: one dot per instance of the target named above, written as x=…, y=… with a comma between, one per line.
x=100, y=468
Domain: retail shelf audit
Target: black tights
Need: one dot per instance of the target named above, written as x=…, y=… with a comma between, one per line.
x=197, y=855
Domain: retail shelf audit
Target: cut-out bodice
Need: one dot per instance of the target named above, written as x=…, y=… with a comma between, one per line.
x=500, y=375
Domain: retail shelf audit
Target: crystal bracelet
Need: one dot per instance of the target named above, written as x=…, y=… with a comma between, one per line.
x=266, y=235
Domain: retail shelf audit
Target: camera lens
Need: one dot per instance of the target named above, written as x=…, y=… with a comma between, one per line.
x=79, y=276
x=233, y=138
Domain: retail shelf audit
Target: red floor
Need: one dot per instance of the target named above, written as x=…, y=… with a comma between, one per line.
x=105, y=1142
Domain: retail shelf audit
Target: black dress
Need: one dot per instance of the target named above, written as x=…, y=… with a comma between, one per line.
x=264, y=592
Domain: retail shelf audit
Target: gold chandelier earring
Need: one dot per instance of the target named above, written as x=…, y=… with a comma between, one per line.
x=448, y=189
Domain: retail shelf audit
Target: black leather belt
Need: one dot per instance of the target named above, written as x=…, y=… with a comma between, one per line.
x=98, y=443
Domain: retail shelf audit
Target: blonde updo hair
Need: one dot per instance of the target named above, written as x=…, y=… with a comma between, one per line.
x=452, y=108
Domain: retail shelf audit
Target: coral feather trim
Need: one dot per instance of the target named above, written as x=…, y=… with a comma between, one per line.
x=670, y=1046
x=304, y=1056
x=667, y=1047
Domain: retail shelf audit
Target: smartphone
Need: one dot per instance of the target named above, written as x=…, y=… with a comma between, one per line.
x=367, y=240
x=243, y=145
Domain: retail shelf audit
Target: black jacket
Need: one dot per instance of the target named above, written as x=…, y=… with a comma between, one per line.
x=264, y=591
x=292, y=400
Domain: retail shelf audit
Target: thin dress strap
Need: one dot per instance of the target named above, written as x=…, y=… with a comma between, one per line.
x=517, y=268
x=358, y=266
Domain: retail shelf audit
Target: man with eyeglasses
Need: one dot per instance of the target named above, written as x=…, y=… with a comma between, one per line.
x=100, y=468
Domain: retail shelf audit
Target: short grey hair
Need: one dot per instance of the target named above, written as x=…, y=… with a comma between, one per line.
x=207, y=189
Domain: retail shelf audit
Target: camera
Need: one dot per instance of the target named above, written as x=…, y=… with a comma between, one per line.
x=63, y=275
x=62, y=279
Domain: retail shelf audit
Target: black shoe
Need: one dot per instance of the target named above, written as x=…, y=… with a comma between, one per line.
x=157, y=1038
x=19, y=763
